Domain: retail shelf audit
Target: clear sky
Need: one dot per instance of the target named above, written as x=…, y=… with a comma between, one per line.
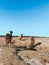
x=30, y=17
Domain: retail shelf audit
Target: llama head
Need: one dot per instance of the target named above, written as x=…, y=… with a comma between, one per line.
x=11, y=32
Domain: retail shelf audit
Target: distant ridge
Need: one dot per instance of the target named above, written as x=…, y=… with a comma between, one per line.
x=26, y=36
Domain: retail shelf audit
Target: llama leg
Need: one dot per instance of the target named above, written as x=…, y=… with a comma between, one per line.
x=7, y=42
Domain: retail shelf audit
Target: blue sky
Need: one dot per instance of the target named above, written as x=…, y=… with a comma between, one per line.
x=30, y=17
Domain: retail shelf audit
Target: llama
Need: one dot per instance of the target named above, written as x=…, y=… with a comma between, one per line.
x=20, y=37
x=31, y=41
x=8, y=37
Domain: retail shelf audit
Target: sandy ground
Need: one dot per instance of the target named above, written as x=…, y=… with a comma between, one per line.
x=8, y=56
x=11, y=55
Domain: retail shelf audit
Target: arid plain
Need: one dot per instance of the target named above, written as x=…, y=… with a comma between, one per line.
x=18, y=54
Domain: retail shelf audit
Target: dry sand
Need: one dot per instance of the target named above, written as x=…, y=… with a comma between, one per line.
x=22, y=56
x=8, y=56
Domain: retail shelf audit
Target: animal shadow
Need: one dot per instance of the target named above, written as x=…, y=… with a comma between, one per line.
x=33, y=46
x=37, y=44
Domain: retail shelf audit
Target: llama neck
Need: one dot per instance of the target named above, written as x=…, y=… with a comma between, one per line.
x=11, y=34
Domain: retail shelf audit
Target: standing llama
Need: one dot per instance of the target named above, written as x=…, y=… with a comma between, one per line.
x=32, y=41
x=20, y=37
x=8, y=37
